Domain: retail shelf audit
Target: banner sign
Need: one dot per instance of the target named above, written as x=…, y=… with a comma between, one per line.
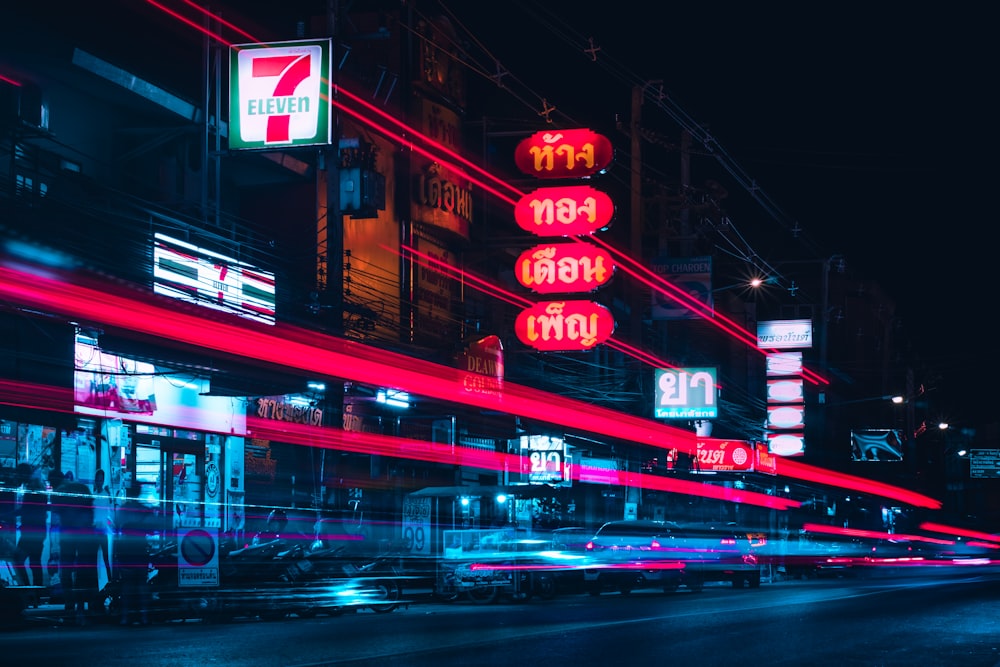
x=723, y=455
x=279, y=94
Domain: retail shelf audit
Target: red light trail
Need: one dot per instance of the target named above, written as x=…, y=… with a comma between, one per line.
x=101, y=302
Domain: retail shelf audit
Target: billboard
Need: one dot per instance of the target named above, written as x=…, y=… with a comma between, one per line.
x=196, y=275
x=691, y=275
x=106, y=385
x=877, y=444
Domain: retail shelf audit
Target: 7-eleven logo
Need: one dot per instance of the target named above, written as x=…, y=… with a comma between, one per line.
x=277, y=95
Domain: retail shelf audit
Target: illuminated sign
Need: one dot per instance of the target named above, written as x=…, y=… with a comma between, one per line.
x=786, y=444
x=564, y=326
x=542, y=458
x=482, y=362
x=563, y=154
x=573, y=210
x=784, y=333
x=685, y=393
x=786, y=416
x=189, y=273
x=722, y=456
x=279, y=94
x=785, y=390
x=114, y=387
x=564, y=267
x=765, y=462
x=877, y=444
x=784, y=363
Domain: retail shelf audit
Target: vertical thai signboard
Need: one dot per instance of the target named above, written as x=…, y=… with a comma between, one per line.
x=279, y=94
x=785, y=395
x=563, y=325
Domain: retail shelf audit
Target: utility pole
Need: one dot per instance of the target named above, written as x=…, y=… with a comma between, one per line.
x=635, y=205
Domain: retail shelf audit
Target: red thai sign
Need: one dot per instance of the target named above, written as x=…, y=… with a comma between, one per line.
x=563, y=154
x=712, y=455
x=564, y=211
x=564, y=326
x=766, y=462
x=564, y=267
x=482, y=365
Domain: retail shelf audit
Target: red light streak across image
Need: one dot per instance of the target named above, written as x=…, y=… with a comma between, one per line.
x=102, y=302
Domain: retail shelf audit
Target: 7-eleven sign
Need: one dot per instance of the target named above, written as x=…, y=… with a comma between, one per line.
x=279, y=94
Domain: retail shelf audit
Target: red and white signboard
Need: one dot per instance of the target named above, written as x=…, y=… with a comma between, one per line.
x=279, y=94
x=553, y=326
x=564, y=267
x=712, y=455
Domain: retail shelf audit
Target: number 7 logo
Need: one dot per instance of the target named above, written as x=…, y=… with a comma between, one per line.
x=278, y=95
x=290, y=71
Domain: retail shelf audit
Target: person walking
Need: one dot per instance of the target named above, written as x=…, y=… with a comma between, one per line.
x=78, y=554
x=132, y=558
x=104, y=523
x=34, y=514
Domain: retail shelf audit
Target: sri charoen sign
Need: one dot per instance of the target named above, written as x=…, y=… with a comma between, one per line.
x=561, y=268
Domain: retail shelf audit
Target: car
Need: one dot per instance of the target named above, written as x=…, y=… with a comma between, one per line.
x=631, y=554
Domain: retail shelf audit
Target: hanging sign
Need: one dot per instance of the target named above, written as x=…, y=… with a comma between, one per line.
x=279, y=94
x=564, y=267
x=563, y=154
x=564, y=326
x=572, y=210
x=723, y=455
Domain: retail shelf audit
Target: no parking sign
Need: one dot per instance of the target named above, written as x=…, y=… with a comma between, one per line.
x=197, y=557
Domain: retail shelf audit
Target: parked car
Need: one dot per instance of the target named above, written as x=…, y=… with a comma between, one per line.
x=642, y=553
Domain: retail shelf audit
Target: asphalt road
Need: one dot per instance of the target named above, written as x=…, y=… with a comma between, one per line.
x=931, y=620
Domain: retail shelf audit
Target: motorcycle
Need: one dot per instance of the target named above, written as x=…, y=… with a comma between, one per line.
x=271, y=580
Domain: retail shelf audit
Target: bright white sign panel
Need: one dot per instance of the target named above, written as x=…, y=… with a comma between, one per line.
x=784, y=334
x=189, y=273
x=279, y=94
x=106, y=385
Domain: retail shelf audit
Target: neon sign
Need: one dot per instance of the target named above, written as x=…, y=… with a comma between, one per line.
x=554, y=326
x=279, y=94
x=563, y=154
x=564, y=267
x=565, y=211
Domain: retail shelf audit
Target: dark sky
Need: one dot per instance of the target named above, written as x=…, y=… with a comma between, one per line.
x=871, y=128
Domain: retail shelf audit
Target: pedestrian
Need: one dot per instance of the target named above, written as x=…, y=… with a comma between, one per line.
x=104, y=522
x=78, y=552
x=34, y=514
x=132, y=558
